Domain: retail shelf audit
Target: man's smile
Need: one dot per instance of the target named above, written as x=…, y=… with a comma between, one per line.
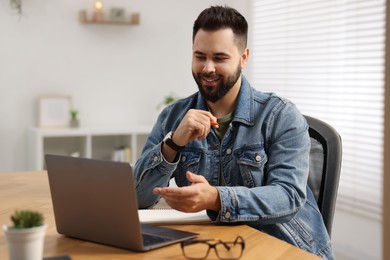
x=210, y=81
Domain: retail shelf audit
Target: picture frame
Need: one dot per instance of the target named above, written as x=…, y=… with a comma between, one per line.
x=54, y=111
x=117, y=14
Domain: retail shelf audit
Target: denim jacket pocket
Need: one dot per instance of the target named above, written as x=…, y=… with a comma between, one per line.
x=302, y=234
x=189, y=161
x=251, y=162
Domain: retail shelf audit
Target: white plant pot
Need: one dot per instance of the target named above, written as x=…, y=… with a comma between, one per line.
x=25, y=244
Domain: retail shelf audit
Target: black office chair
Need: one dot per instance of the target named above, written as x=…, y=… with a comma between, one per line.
x=325, y=165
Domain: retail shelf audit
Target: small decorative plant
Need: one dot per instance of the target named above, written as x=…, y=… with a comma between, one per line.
x=17, y=5
x=26, y=237
x=74, y=122
x=169, y=99
x=73, y=114
x=27, y=219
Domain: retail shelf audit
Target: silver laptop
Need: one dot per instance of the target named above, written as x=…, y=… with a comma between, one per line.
x=95, y=200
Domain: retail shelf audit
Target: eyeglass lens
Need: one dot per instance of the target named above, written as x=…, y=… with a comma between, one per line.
x=224, y=250
x=196, y=251
x=229, y=250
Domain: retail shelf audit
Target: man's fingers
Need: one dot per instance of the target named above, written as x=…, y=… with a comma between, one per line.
x=173, y=191
x=195, y=178
x=198, y=123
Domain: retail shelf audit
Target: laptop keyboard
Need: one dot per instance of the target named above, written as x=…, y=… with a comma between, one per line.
x=153, y=239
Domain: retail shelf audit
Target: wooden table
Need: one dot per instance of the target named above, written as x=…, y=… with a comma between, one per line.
x=30, y=190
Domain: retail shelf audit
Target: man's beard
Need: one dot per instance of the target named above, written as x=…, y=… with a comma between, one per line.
x=213, y=94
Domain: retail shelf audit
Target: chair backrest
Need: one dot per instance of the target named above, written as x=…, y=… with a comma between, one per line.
x=325, y=165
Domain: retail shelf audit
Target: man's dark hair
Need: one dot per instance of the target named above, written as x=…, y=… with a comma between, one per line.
x=221, y=17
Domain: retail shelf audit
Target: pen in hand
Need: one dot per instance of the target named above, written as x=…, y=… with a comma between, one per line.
x=214, y=123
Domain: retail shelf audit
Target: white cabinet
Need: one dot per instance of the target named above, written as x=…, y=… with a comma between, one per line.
x=89, y=142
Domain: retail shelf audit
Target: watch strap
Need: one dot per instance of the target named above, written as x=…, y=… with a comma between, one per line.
x=172, y=144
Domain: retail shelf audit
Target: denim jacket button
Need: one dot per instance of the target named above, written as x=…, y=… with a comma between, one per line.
x=227, y=215
x=155, y=158
x=183, y=158
x=258, y=157
x=229, y=151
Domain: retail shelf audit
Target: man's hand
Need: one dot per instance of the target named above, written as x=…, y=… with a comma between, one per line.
x=199, y=196
x=195, y=124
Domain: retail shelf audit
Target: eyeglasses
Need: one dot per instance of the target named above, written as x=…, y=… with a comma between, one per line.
x=200, y=248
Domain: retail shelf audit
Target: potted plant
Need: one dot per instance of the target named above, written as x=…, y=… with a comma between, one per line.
x=26, y=236
x=17, y=5
x=74, y=122
x=169, y=99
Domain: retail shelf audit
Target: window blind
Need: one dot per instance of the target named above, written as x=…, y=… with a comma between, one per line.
x=328, y=58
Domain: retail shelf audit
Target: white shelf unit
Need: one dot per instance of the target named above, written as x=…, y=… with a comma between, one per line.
x=89, y=142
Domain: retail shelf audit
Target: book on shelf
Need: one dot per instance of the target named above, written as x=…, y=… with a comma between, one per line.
x=172, y=216
x=122, y=154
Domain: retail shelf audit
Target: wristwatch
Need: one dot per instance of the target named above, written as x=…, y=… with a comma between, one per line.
x=168, y=141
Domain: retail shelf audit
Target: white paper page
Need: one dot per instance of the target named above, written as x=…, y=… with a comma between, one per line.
x=171, y=216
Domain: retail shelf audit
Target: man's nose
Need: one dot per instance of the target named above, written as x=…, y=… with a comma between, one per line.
x=209, y=66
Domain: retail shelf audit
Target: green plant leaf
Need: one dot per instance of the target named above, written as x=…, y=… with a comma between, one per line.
x=27, y=219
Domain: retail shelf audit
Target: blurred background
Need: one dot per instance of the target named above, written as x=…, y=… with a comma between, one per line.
x=328, y=57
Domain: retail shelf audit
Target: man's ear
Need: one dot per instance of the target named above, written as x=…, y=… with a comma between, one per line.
x=244, y=57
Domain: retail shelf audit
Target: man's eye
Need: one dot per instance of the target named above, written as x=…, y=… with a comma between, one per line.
x=220, y=58
x=200, y=57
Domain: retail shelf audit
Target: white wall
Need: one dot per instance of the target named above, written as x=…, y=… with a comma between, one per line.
x=356, y=237
x=115, y=74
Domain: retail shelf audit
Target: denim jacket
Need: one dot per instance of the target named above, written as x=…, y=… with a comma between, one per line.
x=264, y=158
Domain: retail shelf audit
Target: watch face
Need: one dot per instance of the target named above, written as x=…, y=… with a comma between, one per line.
x=169, y=135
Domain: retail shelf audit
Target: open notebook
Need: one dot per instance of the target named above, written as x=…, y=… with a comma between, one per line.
x=171, y=216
